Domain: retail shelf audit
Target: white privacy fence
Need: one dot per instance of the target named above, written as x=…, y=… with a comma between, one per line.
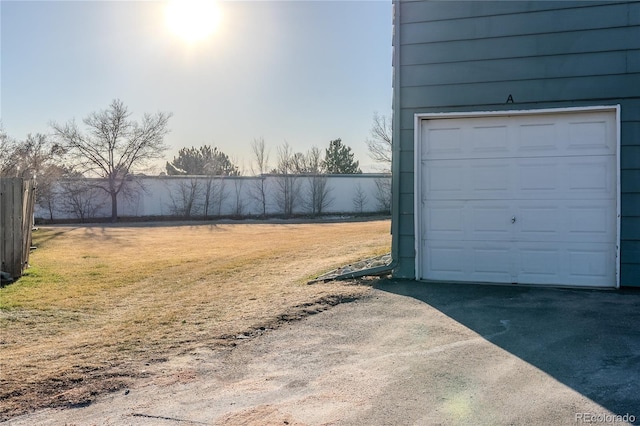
x=214, y=196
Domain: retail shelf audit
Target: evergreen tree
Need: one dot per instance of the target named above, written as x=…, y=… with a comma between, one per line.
x=338, y=159
x=202, y=161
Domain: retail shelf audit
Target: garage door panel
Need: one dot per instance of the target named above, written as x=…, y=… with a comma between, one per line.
x=538, y=177
x=535, y=221
x=446, y=221
x=591, y=263
x=442, y=141
x=531, y=178
x=494, y=260
x=521, y=198
x=488, y=140
x=447, y=139
x=536, y=139
x=538, y=263
x=590, y=177
x=468, y=221
x=593, y=136
x=446, y=181
x=467, y=180
x=443, y=260
x=547, y=135
x=591, y=222
x=565, y=264
x=566, y=177
x=490, y=221
x=492, y=176
x=488, y=262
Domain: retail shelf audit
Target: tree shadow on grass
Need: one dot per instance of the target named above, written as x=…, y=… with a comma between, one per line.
x=47, y=235
x=588, y=340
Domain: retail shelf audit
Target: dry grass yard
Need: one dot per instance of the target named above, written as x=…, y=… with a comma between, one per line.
x=101, y=305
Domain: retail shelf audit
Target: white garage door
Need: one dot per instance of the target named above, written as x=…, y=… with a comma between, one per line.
x=524, y=198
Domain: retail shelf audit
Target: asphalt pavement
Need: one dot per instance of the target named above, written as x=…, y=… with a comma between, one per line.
x=409, y=354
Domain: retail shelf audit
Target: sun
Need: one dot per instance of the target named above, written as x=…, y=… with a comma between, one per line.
x=192, y=20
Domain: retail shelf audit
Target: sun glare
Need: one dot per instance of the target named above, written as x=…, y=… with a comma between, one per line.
x=192, y=20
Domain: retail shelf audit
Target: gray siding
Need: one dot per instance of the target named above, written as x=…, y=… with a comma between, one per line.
x=471, y=56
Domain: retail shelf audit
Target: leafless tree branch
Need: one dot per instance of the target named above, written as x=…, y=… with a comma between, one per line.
x=113, y=145
x=380, y=141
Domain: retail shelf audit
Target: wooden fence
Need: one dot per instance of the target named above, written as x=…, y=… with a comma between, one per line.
x=17, y=201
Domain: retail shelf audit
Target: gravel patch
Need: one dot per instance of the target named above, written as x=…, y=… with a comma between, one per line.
x=349, y=270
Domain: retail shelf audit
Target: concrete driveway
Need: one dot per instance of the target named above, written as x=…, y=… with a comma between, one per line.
x=410, y=354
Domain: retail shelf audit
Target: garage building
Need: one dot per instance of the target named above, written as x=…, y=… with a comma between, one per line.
x=517, y=142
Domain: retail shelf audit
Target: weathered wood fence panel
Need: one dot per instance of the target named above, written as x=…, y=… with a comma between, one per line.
x=17, y=201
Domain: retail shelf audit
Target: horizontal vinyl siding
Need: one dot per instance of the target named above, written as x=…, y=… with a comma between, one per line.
x=583, y=41
x=632, y=225
x=629, y=179
x=630, y=203
x=631, y=252
x=630, y=194
x=540, y=90
x=630, y=270
x=630, y=157
x=471, y=56
x=418, y=11
x=529, y=68
x=552, y=20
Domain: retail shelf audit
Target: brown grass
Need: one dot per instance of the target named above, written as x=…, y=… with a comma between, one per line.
x=101, y=303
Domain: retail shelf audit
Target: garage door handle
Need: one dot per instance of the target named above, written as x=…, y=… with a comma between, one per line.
x=513, y=219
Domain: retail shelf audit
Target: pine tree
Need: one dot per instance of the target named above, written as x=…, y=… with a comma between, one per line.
x=202, y=161
x=338, y=159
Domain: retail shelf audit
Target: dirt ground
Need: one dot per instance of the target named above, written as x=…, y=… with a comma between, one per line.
x=407, y=353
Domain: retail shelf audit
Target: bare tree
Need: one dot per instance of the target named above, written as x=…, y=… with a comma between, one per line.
x=380, y=141
x=185, y=197
x=288, y=184
x=318, y=194
x=48, y=191
x=260, y=156
x=7, y=157
x=360, y=199
x=36, y=157
x=27, y=158
x=32, y=155
x=113, y=146
x=132, y=194
x=41, y=158
x=214, y=196
x=318, y=190
x=383, y=194
x=81, y=198
x=239, y=205
x=209, y=190
x=310, y=163
x=258, y=190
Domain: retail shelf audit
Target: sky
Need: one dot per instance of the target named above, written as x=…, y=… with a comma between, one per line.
x=301, y=72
